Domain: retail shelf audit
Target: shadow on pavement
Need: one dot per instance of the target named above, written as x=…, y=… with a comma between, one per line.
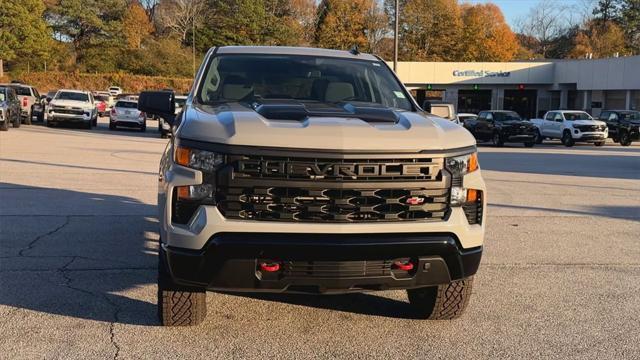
x=77, y=265
x=613, y=212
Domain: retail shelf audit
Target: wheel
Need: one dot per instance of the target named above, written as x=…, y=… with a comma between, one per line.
x=41, y=116
x=112, y=126
x=87, y=125
x=16, y=122
x=5, y=125
x=143, y=127
x=178, y=305
x=497, y=139
x=94, y=122
x=625, y=139
x=599, y=143
x=539, y=137
x=442, y=302
x=529, y=144
x=27, y=120
x=567, y=139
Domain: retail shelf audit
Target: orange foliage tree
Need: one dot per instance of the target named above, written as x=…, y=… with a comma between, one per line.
x=485, y=35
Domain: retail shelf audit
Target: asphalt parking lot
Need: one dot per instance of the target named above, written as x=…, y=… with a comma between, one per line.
x=560, y=276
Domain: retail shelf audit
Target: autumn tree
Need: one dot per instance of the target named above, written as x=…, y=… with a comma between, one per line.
x=545, y=22
x=179, y=16
x=342, y=24
x=600, y=39
x=486, y=36
x=135, y=25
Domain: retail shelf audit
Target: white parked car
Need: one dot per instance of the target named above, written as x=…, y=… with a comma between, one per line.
x=115, y=90
x=125, y=113
x=72, y=106
x=571, y=126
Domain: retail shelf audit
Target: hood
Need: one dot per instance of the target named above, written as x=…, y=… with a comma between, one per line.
x=235, y=124
x=588, y=122
x=71, y=103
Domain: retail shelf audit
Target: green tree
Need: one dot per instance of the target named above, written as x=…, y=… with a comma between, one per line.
x=630, y=20
x=24, y=35
x=607, y=10
x=94, y=27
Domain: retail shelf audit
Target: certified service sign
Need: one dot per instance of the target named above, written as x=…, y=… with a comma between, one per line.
x=480, y=73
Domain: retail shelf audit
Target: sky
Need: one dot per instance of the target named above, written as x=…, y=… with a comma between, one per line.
x=513, y=9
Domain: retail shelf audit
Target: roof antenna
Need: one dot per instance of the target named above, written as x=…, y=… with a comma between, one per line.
x=354, y=50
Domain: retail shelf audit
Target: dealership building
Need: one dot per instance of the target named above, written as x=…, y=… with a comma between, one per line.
x=530, y=88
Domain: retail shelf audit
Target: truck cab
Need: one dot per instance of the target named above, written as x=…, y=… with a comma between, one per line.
x=570, y=126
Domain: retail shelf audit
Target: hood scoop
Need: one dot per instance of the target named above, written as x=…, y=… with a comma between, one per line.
x=299, y=111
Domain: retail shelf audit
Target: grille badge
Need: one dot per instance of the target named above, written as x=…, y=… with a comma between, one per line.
x=415, y=200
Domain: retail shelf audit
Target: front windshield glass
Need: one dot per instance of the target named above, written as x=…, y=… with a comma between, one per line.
x=631, y=115
x=571, y=116
x=63, y=95
x=506, y=116
x=249, y=78
x=102, y=98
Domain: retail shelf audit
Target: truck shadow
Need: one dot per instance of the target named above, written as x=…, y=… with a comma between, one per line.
x=77, y=254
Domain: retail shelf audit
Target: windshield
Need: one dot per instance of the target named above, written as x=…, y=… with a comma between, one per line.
x=63, y=95
x=247, y=78
x=571, y=116
x=126, y=105
x=101, y=98
x=506, y=116
x=631, y=115
x=21, y=90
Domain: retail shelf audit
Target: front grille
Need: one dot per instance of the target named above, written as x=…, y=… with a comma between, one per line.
x=296, y=189
x=589, y=128
x=336, y=269
x=72, y=111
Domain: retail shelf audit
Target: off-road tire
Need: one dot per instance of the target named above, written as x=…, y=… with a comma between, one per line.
x=599, y=143
x=625, y=139
x=88, y=125
x=442, y=302
x=27, y=120
x=497, y=140
x=567, y=139
x=178, y=305
x=539, y=137
x=16, y=122
x=5, y=125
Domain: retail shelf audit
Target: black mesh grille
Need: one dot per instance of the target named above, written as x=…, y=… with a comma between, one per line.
x=333, y=205
x=337, y=269
x=588, y=128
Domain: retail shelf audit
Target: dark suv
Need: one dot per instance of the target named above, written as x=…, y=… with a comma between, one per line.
x=624, y=125
x=502, y=126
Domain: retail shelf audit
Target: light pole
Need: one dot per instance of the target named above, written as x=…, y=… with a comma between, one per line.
x=395, y=38
x=193, y=43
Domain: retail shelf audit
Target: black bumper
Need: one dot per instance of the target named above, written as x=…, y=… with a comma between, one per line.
x=321, y=263
x=126, y=124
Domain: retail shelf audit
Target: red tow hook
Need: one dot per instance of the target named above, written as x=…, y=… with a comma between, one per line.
x=269, y=267
x=404, y=266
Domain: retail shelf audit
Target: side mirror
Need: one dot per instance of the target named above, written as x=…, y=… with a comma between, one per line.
x=161, y=103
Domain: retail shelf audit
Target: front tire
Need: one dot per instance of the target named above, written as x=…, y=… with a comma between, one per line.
x=625, y=139
x=178, y=305
x=5, y=125
x=497, y=140
x=16, y=122
x=442, y=302
x=539, y=138
x=567, y=139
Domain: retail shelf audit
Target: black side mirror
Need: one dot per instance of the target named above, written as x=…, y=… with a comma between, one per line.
x=161, y=103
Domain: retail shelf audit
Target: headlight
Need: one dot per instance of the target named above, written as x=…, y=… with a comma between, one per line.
x=198, y=159
x=462, y=165
x=458, y=167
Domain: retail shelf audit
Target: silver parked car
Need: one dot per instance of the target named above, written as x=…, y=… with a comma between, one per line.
x=9, y=108
x=125, y=113
x=31, y=103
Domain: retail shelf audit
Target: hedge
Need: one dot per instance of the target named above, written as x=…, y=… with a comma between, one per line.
x=49, y=81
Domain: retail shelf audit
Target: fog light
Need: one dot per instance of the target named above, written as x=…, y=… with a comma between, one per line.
x=195, y=192
x=458, y=196
x=576, y=131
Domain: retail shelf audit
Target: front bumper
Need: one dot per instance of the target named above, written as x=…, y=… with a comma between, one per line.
x=590, y=136
x=321, y=263
x=58, y=117
x=126, y=122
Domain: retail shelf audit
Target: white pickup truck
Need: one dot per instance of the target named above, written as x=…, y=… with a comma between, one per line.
x=570, y=126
